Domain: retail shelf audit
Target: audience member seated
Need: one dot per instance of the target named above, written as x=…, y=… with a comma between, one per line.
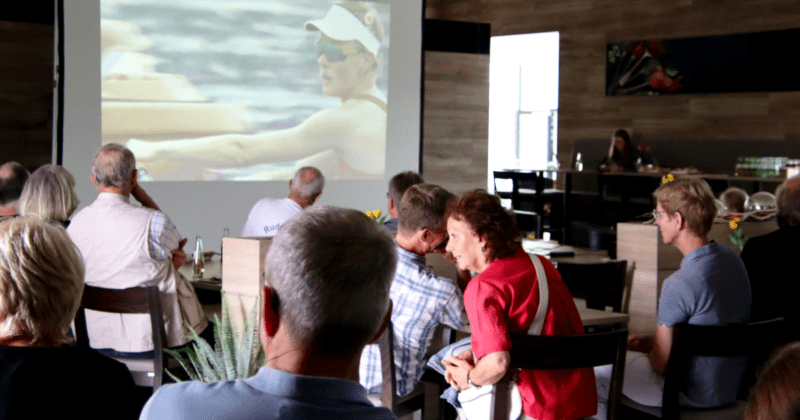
x=328, y=274
x=710, y=288
x=49, y=194
x=503, y=299
x=734, y=198
x=397, y=187
x=12, y=179
x=41, y=281
x=623, y=155
x=268, y=214
x=771, y=261
x=123, y=246
x=776, y=394
x=421, y=300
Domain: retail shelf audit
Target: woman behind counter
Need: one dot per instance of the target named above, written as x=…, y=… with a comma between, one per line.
x=503, y=300
x=623, y=155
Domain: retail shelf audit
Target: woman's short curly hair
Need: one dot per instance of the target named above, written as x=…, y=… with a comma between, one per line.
x=487, y=217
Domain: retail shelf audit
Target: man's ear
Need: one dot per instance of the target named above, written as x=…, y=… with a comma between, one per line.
x=271, y=318
x=317, y=197
x=290, y=184
x=387, y=320
x=93, y=181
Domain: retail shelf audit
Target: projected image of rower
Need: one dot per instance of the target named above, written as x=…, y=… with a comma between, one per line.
x=345, y=139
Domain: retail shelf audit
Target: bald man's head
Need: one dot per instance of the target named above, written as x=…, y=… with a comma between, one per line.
x=306, y=186
x=12, y=179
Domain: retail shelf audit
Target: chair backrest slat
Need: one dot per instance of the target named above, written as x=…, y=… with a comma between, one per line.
x=566, y=352
x=601, y=284
x=134, y=300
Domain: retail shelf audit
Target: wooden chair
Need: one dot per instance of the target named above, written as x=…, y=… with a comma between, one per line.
x=544, y=352
x=529, y=186
x=601, y=284
x=400, y=406
x=134, y=300
x=755, y=340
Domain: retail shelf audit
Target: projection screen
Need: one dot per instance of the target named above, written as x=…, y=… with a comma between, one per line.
x=209, y=94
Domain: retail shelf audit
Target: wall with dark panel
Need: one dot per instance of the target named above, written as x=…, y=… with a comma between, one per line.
x=455, y=113
x=26, y=83
x=587, y=25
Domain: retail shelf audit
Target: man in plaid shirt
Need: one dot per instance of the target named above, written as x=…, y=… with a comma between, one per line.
x=421, y=300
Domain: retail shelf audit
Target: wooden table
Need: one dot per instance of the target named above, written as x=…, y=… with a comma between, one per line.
x=582, y=255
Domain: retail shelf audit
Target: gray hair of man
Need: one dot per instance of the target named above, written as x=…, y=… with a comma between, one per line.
x=41, y=280
x=423, y=206
x=113, y=165
x=308, y=182
x=331, y=269
x=49, y=194
x=400, y=183
x=12, y=180
x=788, y=197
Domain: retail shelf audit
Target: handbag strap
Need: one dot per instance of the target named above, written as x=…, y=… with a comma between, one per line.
x=544, y=297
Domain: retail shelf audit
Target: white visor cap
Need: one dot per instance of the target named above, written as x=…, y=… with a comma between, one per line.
x=341, y=25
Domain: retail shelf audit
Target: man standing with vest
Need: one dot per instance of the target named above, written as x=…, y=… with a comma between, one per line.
x=123, y=246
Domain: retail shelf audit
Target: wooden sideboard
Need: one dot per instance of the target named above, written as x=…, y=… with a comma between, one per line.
x=640, y=244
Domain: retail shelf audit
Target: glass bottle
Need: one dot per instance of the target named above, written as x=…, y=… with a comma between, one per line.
x=578, y=162
x=197, y=259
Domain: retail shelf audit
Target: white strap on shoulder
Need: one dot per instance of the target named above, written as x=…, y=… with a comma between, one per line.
x=544, y=297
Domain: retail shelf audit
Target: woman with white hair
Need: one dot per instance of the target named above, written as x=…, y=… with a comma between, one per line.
x=41, y=282
x=49, y=194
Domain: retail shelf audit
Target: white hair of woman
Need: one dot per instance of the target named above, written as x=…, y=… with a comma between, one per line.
x=331, y=269
x=49, y=194
x=113, y=165
x=41, y=281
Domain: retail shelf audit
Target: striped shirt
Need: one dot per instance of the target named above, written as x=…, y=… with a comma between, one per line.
x=422, y=301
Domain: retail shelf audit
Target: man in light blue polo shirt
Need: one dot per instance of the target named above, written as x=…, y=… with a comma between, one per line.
x=323, y=301
x=710, y=288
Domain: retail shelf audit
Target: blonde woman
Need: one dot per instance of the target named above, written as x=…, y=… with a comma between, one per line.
x=49, y=194
x=41, y=282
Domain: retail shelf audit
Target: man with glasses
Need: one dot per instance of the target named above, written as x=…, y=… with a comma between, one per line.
x=347, y=142
x=422, y=300
x=710, y=288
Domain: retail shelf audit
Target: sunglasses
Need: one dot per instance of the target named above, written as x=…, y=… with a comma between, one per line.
x=335, y=53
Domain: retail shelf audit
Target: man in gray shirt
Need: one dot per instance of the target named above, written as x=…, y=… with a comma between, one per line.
x=328, y=273
x=710, y=288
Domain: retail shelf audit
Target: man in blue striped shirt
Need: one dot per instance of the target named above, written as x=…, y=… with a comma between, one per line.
x=421, y=300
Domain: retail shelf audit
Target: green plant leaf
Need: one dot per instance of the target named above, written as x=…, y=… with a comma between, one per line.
x=208, y=355
x=247, y=341
x=184, y=364
x=210, y=372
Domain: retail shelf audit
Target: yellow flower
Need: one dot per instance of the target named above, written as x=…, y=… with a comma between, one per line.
x=377, y=213
x=531, y=237
x=733, y=224
x=668, y=178
x=369, y=213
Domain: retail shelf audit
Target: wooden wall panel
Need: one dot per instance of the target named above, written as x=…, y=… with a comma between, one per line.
x=587, y=25
x=455, y=120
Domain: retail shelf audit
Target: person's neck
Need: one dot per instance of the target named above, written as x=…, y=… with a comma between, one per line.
x=283, y=353
x=126, y=192
x=686, y=242
x=8, y=210
x=364, y=88
x=26, y=340
x=303, y=203
x=410, y=242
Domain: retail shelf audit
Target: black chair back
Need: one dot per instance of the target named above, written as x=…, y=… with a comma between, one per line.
x=565, y=352
x=134, y=300
x=601, y=284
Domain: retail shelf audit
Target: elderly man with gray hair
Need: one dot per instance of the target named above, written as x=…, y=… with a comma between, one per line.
x=268, y=214
x=771, y=262
x=326, y=296
x=12, y=180
x=123, y=246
